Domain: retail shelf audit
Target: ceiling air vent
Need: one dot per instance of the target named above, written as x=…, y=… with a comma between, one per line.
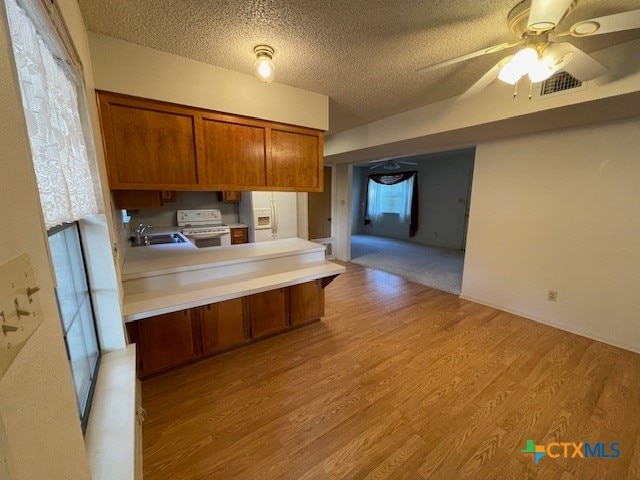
x=559, y=82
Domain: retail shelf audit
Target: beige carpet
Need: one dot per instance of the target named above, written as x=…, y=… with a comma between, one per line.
x=435, y=267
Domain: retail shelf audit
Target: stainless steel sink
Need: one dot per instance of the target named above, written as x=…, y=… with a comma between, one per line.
x=158, y=239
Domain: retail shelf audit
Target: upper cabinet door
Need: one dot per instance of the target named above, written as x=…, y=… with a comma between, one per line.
x=234, y=153
x=148, y=144
x=296, y=159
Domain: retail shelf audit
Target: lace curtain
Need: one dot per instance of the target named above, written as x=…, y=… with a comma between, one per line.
x=50, y=102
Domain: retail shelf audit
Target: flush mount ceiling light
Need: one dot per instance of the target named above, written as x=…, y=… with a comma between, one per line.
x=264, y=68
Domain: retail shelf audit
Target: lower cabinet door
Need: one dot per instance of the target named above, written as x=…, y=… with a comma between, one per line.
x=166, y=341
x=307, y=302
x=269, y=312
x=224, y=325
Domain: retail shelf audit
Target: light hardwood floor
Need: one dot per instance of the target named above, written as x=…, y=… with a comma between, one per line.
x=398, y=381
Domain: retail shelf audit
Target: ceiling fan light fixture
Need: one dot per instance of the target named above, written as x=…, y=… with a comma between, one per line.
x=524, y=59
x=264, y=68
x=539, y=72
x=509, y=74
x=391, y=166
x=557, y=56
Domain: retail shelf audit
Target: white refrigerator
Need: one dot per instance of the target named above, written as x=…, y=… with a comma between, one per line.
x=269, y=215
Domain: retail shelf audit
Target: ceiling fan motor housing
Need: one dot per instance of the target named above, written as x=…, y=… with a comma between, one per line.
x=518, y=19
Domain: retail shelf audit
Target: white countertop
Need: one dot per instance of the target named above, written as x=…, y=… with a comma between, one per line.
x=155, y=260
x=236, y=225
x=161, y=279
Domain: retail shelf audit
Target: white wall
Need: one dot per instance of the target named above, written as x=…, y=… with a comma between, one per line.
x=37, y=401
x=123, y=67
x=166, y=215
x=560, y=211
x=342, y=207
x=443, y=188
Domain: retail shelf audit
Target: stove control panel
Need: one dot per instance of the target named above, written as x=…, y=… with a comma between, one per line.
x=188, y=218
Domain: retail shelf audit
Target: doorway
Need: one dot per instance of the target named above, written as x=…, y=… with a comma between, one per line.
x=319, y=213
x=319, y=210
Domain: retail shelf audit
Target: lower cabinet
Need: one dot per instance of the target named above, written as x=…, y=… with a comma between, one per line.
x=269, y=312
x=223, y=325
x=307, y=302
x=167, y=341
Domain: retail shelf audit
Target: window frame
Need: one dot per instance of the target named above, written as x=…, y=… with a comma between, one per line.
x=84, y=415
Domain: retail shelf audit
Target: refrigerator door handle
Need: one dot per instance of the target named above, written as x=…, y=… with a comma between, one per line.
x=275, y=217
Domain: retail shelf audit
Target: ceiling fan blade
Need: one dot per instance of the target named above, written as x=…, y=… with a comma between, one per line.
x=546, y=14
x=376, y=165
x=608, y=24
x=583, y=66
x=468, y=56
x=408, y=163
x=485, y=80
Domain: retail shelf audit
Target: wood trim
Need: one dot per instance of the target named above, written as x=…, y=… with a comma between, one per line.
x=268, y=155
x=213, y=114
x=108, y=135
x=196, y=330
x=327, y=280
x=201, y=167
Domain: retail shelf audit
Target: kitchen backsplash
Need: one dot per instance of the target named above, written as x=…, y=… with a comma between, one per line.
x=166, y=215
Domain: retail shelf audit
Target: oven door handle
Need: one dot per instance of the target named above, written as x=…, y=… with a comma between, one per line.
x=199, y=236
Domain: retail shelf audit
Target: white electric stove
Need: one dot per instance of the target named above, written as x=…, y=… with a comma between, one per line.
x=204, y=227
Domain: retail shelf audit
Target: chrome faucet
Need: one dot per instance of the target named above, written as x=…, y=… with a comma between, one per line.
x=141, y=238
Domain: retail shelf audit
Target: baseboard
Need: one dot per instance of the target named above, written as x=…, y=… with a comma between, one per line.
x=558, y=325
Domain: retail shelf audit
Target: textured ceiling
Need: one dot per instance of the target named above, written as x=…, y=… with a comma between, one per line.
x=361, y=53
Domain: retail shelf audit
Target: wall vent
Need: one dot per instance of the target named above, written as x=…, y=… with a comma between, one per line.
x=559, y=82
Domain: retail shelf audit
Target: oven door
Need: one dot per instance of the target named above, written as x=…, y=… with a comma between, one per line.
x=222, y=239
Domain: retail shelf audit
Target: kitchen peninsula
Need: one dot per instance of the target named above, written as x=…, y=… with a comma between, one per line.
x=182, y=303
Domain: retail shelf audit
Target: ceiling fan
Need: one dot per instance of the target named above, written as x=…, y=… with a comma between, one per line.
x=535, y=22
x=391, y=164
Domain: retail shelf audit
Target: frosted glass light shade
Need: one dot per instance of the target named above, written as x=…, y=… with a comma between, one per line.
x=510, y=74
x=539, y=72
x=264, y=69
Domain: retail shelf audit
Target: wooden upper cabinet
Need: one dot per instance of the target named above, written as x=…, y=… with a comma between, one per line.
x=148, y=145
x=234, y=154
x=152, y=145
x=296, y=159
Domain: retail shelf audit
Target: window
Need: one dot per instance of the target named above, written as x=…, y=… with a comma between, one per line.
x=76, y=311
x=49, y=86
x=395, y=198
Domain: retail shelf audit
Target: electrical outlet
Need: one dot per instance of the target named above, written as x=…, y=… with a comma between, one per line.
x=552, y=296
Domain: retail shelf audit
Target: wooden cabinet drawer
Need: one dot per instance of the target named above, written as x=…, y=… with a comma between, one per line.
x=239, y=235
